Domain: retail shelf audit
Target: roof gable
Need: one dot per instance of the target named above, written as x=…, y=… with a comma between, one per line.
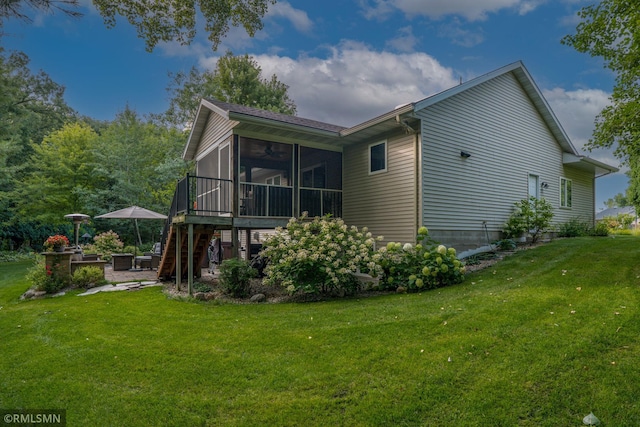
x=531, y=89
x=403, y=117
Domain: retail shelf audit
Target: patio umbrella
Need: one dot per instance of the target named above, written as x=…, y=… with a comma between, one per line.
x=135, y=213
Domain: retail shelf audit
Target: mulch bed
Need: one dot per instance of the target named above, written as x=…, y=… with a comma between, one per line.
x=279, y=295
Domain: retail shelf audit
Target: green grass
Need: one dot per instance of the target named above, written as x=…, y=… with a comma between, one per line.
x=526, y=347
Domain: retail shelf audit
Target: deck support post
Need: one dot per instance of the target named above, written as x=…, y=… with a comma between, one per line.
x=178, y=257
x=190, y=260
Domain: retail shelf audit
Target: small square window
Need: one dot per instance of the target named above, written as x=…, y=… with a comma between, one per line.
x=378, y=157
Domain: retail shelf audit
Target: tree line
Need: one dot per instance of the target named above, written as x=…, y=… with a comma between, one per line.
x=54, y=161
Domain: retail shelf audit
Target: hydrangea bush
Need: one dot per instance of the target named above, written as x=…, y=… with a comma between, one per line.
x=426, y=265
x=319, y=256
x=107, y=243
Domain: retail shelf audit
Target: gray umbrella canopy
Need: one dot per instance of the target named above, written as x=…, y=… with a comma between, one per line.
x=135, y=213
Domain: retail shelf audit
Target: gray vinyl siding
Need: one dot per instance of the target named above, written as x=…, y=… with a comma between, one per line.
x=386, y=202
x=216, y=129
x=508, y=140
x=582, y=197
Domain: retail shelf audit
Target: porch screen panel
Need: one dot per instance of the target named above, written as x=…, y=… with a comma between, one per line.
x=208, y=192
x=224, y=170
x=266, y=178
x=320, y=182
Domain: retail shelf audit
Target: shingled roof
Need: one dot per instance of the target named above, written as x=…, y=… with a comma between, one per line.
x=272, y=115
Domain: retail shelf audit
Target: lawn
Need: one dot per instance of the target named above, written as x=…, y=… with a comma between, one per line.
x=542, y=338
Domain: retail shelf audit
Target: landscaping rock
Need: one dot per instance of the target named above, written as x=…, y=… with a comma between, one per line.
x=200, y=296
x=209, y=296
x=29, y=294
x=258, y=298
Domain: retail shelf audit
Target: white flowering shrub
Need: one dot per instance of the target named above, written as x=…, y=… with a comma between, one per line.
x=319, y=256
x=426, y=265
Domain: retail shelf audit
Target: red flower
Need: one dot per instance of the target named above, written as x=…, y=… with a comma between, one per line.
x=56, y=240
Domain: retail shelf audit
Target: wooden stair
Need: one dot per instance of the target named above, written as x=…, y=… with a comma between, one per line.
x=201, y=237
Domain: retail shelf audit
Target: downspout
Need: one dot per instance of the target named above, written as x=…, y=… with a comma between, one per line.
x=417, y=171
x=418, y=178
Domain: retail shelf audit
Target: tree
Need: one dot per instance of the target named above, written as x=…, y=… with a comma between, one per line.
x=236, y=79
x=31, y=106
x=137, y=162
x=617, y=201
x=62, y=173
x=13, y=8
x=610, y=30
x=160, y=21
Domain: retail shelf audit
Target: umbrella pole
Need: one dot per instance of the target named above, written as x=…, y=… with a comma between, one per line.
x=138, y=231
x=135, y=246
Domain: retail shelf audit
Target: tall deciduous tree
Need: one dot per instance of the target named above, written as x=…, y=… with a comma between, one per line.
x=618, y=201
x=62, y=173
x=610, y=30
x=137, y=162
x=31, y=106
x=236, y=79
x=160, y=21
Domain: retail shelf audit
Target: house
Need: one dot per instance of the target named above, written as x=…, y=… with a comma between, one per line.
x=455, y=162
x=615, y=213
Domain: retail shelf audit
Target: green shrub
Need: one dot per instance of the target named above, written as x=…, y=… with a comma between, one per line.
x=46, y=278
x=235, y=277
x=426, y=265
x=623, y=232
x=201, y=287
x=319, y=256
x=574, y=228
x=12, y=256
x=505, y=244
x=531, y=216
x=131, y=249
x=87, y=277
x=601, y=229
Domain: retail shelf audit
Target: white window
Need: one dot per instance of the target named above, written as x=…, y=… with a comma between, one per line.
x=274, y=180
x=565, y=193
x=534, y=189
x=314, y=176
x=378, y=157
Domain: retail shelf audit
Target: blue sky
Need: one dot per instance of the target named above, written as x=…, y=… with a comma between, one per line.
x=345, y=61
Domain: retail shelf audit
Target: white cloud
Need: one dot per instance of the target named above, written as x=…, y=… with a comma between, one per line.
x=576, y=110
x=476, y=10
x=354, y=83
x=298, y=18
x=405, y=41
x=460, y=36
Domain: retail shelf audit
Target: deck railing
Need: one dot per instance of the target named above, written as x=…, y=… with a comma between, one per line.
x=265, y=200
x=321, y=201
x=198, y=195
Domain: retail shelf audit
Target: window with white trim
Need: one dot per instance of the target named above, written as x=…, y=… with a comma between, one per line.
x=378, y=157
x=565, y=193
x=274, y=180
